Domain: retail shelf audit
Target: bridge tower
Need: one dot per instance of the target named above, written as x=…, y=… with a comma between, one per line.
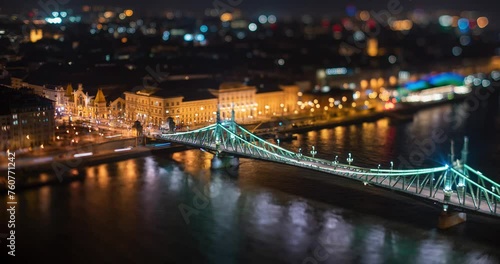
x=450, y=218
x=465, y=153
x=233, y=161
x=452, y=152
x=461, y=167
x=216, y=160
x=220, y=160
x=233, y=120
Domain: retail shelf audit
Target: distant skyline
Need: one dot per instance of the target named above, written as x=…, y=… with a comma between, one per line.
x=279, y=7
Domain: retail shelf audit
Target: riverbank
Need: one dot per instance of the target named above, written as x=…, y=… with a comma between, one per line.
x=404, y=113
x=63, y=163
x=57, y=168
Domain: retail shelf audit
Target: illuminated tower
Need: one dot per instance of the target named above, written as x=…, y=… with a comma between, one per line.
x=36, y=35
x=372, y=47
x=100, y=105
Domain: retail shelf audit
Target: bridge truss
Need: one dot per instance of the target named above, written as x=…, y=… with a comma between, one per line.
x=458, y=185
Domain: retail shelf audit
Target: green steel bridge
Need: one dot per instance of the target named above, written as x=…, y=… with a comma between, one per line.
x=458, y=187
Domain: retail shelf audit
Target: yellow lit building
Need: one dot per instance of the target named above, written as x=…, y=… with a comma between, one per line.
x=372, y=47
x=256, y=102
x=277, y=102
x=198, y=112
x=100, y=108
x=153, y=105
x=238, y=96
x=36, y=35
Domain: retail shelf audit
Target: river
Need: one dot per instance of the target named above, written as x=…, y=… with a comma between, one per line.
x=161, y=209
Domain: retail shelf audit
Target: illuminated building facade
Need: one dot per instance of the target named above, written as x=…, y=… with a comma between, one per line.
x=117, y=110
x=238, y=96
x=153, y=106
x=278, y=102
x=257, y=101
x=150, y=106
x=81, y=106
x=198, y=112
x=99, y=106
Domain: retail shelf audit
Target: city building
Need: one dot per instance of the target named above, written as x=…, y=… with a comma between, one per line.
x=193, y=102
x=238, y=96
x=26, y=119
x=151, y=105
x=187, y=102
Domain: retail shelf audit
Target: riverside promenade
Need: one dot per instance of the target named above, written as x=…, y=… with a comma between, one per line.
x=62, y=164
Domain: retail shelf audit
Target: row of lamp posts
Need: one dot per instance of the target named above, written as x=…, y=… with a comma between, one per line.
x=349, y=159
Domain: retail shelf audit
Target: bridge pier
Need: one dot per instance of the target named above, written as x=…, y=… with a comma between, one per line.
x=216, y=163
x=449, y=219
x=220, y=162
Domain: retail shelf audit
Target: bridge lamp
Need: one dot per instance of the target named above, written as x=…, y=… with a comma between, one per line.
x=350, y=159
x=336, y=161
x=313, y=152
x=392, y=165
x=299, y=154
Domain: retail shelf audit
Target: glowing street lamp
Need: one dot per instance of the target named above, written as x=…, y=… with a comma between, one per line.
x=313, y=152
x=350, y=159
x=299, y=153
x=336, y=160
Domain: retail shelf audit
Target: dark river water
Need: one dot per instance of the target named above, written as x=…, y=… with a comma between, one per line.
x=161, y=209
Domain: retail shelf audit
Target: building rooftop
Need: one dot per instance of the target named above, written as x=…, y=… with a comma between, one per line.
x=265, y=85
x=92, y=78
x=190, y=89
x=99, y=98
x=21, y=100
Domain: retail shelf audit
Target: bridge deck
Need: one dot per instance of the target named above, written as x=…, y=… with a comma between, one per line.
x=434, y=184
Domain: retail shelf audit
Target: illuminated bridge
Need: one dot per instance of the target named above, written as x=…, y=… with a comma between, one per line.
x=457, y=187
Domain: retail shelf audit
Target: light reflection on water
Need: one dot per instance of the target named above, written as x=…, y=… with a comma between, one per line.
x=240, y=221
x=128, y=211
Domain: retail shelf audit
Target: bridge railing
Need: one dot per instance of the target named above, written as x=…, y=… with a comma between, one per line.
x=453, y=186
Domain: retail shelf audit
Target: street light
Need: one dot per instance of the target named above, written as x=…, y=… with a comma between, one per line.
x=299, y=153
x=350, y=159
x=313, y=152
